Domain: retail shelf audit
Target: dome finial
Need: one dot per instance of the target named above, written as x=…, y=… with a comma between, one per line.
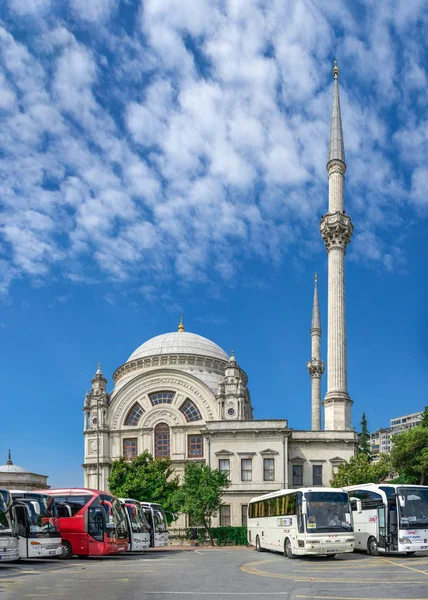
x=99, y=369
x=335, y=70
x=9, y=459
x=181, y=326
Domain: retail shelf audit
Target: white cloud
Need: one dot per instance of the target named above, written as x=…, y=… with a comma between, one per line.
x=29, y=7
x=95, y=11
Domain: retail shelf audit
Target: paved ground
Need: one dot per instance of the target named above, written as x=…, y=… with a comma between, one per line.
x=218, y=574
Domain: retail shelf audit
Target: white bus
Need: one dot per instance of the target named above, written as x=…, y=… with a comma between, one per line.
x=8, y=533
x=138, y=527
x=155, y=515
x=37, y=524
x=300, y=522
x=390, y=517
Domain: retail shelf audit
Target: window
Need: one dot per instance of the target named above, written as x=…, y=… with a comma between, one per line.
x=130, y=448
x=161, y=398
x=297, y=475
x=269, y=469
x=134, y=415
x=274, y=507
x=246, y=469
x=316, y=474
x=161, y=440
x=244, y=509
x=195, y=446
x=190, y=411
x=224, y=465
x=225, y=515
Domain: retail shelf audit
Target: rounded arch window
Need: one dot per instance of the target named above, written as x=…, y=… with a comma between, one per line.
x=190, y=411
x=162, y=440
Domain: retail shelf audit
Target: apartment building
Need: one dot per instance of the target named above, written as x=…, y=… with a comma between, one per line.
x=381, y=440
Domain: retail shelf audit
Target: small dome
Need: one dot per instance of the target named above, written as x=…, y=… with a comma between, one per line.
x=179, y=342
x=12, y=469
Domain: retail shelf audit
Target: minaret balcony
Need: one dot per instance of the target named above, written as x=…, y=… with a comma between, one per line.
x=336, y=230
x=316, y=367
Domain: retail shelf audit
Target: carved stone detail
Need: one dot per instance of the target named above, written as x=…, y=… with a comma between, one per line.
x=336, y=230
x=316, y=367
x=336, y=166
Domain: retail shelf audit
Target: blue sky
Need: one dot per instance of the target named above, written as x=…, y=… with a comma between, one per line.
x=161, y=158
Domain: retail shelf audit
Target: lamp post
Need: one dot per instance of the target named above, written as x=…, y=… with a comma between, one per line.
x=98, y=445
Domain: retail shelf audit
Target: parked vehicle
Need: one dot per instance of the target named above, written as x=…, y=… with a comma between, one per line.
x=9, y=546
x=155, y=515
x=138, y=527
x=390, y=517
x=92, y=522
x=36, y=523
x=301, y=522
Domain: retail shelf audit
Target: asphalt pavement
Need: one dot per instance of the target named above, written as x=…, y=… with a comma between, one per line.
x=217, y=574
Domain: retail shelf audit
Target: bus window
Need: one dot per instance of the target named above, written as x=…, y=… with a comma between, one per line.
x=96, y=523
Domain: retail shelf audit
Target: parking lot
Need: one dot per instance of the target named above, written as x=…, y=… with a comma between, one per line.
x=220, y=573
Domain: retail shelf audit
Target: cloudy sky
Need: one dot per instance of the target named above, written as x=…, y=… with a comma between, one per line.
x=161, y=157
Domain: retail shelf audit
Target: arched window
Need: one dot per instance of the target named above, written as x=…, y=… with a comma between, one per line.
x=190, y=411
x=162, y=440
x=161, y=398
x=134, y=415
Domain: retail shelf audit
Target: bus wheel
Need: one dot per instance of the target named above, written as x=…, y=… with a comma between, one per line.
x=411, y=553
x=258, y=545
x=67, y=551
x=372, y=547
x=330, y=555
x=288, y=550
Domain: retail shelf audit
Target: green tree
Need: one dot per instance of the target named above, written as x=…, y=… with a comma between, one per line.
x=146, y=479
x=424, y=421
x=364, y=438
x=360, y=469
x=409, y=454
x=200, y=494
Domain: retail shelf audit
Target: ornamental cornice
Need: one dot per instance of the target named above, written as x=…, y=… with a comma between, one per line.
x=315, y=367
x=170, y=360
x=336, y=166
x=161, y=413
x=336, y=230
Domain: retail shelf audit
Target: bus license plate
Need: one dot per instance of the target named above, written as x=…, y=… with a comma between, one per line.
x=330, y=550
x=52, y=552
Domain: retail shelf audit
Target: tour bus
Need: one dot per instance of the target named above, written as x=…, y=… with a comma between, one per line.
x=301, y=521
x=92, y=522
x=8, y=533
x=37, y=524
x=155, y=515
x=138, y=528
x=390, y=517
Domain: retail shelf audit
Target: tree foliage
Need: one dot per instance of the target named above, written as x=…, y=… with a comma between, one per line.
x=360, y=469
x=364, y=438
x=409, y=454
x=144, y=478
x=424, y=420
x=200, y=494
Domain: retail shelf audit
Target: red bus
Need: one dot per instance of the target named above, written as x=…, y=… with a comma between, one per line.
x=92, y=523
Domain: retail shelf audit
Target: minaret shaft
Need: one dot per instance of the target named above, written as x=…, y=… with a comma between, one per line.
x=336, y=230
x=315, y=365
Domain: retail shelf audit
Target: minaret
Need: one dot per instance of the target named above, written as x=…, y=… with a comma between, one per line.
x=315, y=365
x=336, y=230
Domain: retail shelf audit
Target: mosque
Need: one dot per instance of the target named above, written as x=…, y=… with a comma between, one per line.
x=180, y=395
x=13, y=477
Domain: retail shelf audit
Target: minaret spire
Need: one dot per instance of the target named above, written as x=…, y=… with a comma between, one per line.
x=336, y=230
x=9, y=459
x=315, y=365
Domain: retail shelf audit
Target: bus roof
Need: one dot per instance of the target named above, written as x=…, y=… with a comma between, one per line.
x=378, y=485
x=74, y=492
x=293, y=491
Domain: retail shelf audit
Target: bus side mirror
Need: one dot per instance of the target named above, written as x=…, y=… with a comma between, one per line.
x=36, y=506
x=401, y=501
x=304, y=507
x=358, y=504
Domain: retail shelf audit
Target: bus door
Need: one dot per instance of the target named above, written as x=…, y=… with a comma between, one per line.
x=149, y=516
x=392, y=525
x=22, y=528
x=382, y=528
x=96, y=528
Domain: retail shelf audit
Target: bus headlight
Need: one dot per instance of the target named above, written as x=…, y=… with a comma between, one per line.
x=405, y=540
x=35, y=543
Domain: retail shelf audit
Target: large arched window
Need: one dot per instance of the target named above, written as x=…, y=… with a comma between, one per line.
x=134, y=415
x=164, y=397
x=162, y=440
x=190, y=411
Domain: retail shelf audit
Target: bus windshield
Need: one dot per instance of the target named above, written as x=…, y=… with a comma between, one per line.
x=159, y=520
x=138, y=524
x=413, y=506
x=40, y=515
x=116, y=526
x=327, y=511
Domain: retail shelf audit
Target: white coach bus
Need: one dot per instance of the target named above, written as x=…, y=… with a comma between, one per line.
x=390, y=517
x=300, y=522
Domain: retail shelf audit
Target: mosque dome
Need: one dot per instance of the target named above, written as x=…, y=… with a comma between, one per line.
x=9, y=467
x=179, y=342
